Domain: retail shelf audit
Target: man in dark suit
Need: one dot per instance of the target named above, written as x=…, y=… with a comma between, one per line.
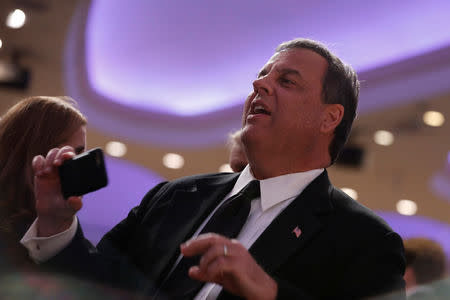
x=301, y=238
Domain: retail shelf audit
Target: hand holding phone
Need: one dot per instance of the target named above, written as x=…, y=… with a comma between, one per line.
x=84, y=173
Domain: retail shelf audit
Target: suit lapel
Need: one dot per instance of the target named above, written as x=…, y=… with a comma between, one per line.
x=295, y=226
x=189, y=206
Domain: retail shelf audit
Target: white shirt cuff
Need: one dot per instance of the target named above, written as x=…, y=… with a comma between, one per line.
x=41, y=249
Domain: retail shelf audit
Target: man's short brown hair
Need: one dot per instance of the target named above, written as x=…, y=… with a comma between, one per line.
x=340, y=86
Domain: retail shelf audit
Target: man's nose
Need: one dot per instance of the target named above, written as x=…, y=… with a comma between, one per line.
x=262, y=85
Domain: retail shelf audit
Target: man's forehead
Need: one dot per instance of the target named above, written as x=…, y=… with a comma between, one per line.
x=296, y=58
x=270, y=62
x=272, y=59
x=295, y=54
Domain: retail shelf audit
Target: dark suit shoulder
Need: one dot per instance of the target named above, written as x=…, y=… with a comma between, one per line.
x=354, y=213
x=367, y=250
x=190, y=183
x=160, y=195
x=188, y=180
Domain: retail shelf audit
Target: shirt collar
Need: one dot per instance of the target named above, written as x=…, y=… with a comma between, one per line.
x=277, y=189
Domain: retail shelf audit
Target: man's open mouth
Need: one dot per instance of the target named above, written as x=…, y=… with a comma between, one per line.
x=259, y=109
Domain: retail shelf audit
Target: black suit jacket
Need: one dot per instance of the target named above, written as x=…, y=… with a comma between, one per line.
x=344, y=250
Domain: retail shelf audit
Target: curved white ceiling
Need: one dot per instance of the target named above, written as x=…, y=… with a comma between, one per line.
x=177, y=73
x=200, y=56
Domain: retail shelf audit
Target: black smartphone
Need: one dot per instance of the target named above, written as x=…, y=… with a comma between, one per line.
x=84, y=173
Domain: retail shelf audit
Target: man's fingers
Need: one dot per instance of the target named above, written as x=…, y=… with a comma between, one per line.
x=214, y=252
x=38, y=164
x=196, y=274
x=216, y=260
x=75, y=203
x=201, y=244
x=203, y=275
x=214, y=272
x=63, y=154
x=49, y=160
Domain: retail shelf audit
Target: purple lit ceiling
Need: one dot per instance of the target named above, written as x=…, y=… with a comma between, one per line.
x=200, y=56
x=419, y=226
x=182, y=70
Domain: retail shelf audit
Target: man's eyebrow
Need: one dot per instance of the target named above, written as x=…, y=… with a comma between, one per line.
x=288, y=71
x=262, y=73
x=284, y=71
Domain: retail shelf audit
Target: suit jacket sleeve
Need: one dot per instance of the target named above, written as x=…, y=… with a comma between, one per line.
x=108, y=263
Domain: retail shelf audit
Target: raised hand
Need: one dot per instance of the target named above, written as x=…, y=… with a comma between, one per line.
x=55, y=214
x=228, y=263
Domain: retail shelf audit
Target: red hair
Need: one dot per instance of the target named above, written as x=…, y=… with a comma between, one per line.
x=31, y=127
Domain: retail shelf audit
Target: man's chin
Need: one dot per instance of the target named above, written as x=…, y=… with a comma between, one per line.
x=252, y=133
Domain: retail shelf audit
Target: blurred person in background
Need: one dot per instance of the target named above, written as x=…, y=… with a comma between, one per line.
x=425, y=265
x=237, y=159
x=31, y=127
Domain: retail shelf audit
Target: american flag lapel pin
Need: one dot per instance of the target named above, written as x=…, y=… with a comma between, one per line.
x=297, y=231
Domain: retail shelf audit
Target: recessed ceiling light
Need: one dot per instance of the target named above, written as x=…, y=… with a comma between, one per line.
x=225, y=168
x=433, y=118
x=383, y=137
x=173, y=161
x=1, y=43
x=407, y=207
x=351, y=192
x=15, y=19
x=116, y=149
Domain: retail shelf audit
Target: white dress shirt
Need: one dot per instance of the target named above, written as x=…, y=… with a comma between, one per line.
x=276, y=194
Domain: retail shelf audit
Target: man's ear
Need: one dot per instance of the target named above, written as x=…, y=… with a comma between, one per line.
x=331, y=118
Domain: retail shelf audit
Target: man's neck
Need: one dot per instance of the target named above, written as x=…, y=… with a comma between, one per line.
x=266, y=172
x=263, y=169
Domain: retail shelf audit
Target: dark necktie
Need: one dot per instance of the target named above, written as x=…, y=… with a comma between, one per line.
x=228, y=221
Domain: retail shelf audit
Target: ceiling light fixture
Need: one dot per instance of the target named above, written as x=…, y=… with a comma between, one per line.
x=15, y=19
x=433, y=118
x=116, y=149
x=173, y=161
x=383, y=137
x=406, y=207
x=351, y=192
x=225, y=168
